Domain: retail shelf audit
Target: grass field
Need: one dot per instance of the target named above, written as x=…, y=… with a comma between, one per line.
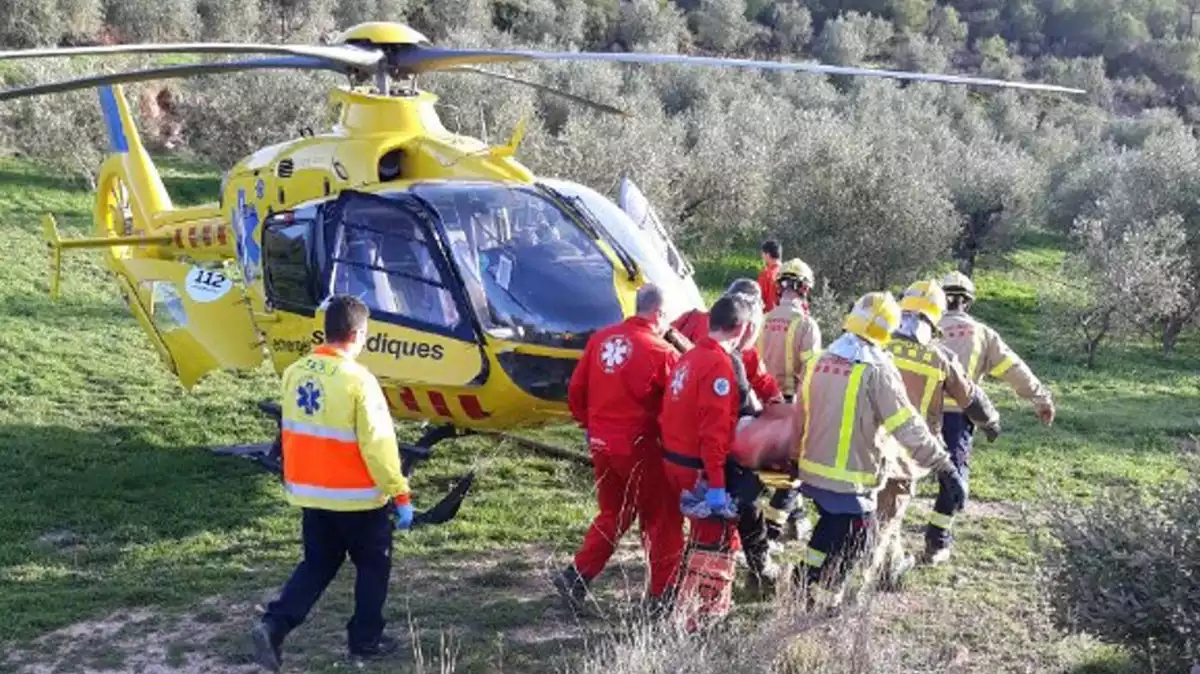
x=128, y=546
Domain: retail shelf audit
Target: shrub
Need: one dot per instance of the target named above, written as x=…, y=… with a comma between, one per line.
x=1128, y=571
x=228, y=116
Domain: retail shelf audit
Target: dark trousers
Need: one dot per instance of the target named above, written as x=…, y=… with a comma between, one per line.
x=752, y=529
x=957, y=431
x=783, y=500
x=838, y=542
x=329, y=536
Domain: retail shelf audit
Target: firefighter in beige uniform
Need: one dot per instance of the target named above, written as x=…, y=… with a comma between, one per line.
x=851, y=400
x=789, y=339
x=981, y=351
x=932, y=377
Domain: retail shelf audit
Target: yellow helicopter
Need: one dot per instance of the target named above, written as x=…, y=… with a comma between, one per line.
x=484, y=281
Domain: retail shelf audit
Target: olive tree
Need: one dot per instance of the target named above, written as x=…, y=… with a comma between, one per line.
x=863, y=205
x=997, y=190
x=152, y=20
x=226, y=117
x=63, y=132
x=1121, y=276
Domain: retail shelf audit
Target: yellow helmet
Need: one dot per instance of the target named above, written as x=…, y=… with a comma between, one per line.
x=926, y=298
x=796, y=270
x=958, y=283
x=874, y=317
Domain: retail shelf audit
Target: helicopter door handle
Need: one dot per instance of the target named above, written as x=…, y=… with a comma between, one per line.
x=260, y=317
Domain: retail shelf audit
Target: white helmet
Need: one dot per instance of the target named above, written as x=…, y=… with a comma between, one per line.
x=958, y=283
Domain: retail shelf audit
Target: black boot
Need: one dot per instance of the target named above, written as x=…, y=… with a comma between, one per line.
x=385, y=647
x=268, y=645
x=572, y=587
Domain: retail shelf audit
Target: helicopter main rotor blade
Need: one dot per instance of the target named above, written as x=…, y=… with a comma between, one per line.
x=427, y=59
x=174, y=72
x=346, y=55
x=595, y=105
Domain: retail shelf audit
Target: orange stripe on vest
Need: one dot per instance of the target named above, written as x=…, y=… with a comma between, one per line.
x=322, y=462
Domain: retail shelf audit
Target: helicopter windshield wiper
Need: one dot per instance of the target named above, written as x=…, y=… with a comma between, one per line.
x=592, y=222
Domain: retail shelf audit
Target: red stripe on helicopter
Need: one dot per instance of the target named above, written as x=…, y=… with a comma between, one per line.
x=409, y=400
x=207, y=234
x=471, y=406
x=439, y=403
x=179, y=238
x=221, y=234
x=192, y=236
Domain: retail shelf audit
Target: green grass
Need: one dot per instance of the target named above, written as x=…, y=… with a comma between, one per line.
x=114, y=503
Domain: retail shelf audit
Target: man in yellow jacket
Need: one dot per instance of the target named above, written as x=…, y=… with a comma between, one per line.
x=853, y=398
x=982, y=352
x=341, y=465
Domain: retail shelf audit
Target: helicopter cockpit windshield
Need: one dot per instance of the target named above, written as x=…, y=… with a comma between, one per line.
x=531, y=273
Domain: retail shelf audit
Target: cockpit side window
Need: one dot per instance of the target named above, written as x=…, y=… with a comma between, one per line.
x=288, y=272
x=381, y=254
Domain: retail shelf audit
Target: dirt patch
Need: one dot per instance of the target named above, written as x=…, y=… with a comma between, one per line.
x=141, y=642
x=489, y=604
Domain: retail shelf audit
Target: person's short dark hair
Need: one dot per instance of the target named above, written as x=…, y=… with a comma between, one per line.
x=344, y=315
x=772, y=248
x=649, y=298
x=729, y=313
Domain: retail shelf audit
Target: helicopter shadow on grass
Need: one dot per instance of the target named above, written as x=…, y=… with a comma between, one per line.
x=106, y=520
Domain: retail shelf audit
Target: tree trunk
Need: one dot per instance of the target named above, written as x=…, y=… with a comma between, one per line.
x=1092, y=345
x=1176, y=324
x=970, y=239
x=1171, y=334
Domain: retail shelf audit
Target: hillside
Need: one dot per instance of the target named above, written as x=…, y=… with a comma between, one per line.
x=127, y=544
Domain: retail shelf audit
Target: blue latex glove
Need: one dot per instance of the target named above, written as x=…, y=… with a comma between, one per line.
x=404, y=517
x=716, y=498
x=719, y=502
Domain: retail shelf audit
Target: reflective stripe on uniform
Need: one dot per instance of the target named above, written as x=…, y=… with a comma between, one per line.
x=1003, y=367
x=933, y=376
x=838, y=470
x=941, y=521
x=332, y=493
x=789, y=362
x=897, y=420
x=319, y=431
x=973, y=361
x=814, y=558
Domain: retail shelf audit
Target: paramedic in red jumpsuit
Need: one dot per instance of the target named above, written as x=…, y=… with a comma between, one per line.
x=615, y=394
x=694, y=325
x=699, y=415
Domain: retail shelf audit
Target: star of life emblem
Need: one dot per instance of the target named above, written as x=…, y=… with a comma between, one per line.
x=678, y=381
x=615, y=352
x=721, y=386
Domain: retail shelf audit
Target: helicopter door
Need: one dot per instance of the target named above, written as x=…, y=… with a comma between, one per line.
x=196, y=317
x=638, y=208
x=383, y=250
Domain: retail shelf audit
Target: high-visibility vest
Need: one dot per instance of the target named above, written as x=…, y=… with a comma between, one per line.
x=335, y=422
x=917, y=360
x=789, y=350
x=838, y=445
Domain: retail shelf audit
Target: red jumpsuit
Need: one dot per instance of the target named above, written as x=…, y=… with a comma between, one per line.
x=766, y=283
x=694, y=326
x=615, y=394
x=699, y=415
